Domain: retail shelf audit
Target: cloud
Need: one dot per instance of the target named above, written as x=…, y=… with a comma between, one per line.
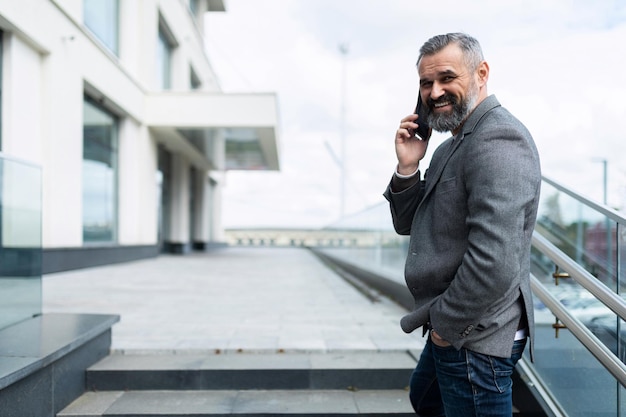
x=553, y=64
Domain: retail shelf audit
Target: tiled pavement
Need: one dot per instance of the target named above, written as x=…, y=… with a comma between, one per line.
x=230, y=300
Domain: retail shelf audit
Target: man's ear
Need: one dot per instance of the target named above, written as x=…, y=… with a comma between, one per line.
x=482, y=73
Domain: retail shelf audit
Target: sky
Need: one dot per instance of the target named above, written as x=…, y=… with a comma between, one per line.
x=559, y=66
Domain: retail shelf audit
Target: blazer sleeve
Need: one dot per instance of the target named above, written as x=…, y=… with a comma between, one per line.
x=403, y=204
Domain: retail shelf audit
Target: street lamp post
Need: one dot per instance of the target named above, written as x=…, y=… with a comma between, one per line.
x=604, y=182
x=343, y=49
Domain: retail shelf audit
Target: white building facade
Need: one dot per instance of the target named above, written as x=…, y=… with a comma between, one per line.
x=118, y=104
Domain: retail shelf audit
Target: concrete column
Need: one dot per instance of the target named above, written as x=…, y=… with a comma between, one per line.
x=217, y=229
x=200, y=236
x=179, y=239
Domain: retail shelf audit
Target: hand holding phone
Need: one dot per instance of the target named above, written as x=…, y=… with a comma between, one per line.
x=423, y=131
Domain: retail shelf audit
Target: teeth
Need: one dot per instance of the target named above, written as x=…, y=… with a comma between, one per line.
x=441, y=104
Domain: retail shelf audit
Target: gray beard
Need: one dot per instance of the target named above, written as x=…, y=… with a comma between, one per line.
x=442, y=122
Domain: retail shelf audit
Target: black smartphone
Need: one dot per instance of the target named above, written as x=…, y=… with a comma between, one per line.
x=423, y=131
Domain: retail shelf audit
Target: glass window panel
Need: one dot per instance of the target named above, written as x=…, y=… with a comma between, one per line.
x=193, y=7
x=20, y=241
x=194, y=80
x=164, y=61
x=102, y=18
x=99, y=174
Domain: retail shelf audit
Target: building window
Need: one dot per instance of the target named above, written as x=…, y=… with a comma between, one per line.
x=165, y=51
x=193, y=7
x=102, y=18
x=194, y=80
x=100, y=130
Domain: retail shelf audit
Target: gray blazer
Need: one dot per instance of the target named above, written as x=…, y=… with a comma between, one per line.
x=471, y=221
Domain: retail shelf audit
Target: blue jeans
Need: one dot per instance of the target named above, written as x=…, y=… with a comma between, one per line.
x=451, y=383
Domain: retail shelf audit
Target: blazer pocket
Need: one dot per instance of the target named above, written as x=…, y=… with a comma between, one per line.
x=446, y=185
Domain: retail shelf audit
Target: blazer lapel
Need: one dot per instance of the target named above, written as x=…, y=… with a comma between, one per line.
x=432, y=178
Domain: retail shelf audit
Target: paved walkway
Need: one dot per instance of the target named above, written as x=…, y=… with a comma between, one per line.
x=230, y=300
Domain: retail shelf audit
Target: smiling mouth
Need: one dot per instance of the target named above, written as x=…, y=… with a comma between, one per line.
x=442, y=104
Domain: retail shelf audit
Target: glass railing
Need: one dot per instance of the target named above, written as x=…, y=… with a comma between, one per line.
x=20, y=241
x=378, y=247
x=578, y=262
x=567, y=370
x=567, y=375
x=588, y=232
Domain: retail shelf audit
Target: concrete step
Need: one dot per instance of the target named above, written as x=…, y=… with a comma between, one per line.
x=282, y=403
x=259, y=371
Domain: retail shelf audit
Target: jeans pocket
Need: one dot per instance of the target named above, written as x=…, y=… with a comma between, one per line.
x=491, y=373
x=502, y=372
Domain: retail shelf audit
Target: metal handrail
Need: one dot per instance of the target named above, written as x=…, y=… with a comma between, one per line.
x=601, y=208
x=581, y=332
x=613, y=301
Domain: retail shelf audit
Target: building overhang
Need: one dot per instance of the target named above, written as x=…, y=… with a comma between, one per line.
x=190, y=122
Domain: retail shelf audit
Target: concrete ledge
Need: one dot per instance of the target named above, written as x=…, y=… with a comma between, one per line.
x=66, y=259
x=310, y=403
x=43, y=361
x=375, y=370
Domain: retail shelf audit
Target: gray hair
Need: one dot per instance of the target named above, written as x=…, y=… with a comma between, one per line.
x=472, y=51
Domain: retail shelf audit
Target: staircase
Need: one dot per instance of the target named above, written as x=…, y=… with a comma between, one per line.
x=248, y=384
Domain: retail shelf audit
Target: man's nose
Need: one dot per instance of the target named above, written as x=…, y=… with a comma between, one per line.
x=437, y=91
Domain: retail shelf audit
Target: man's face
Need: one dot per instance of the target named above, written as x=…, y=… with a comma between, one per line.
x=448, y=87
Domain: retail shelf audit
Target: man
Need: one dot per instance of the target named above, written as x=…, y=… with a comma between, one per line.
x=470, y=220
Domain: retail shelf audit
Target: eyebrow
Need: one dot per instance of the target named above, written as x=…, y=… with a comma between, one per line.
x=440, y=74
x=446, y=72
